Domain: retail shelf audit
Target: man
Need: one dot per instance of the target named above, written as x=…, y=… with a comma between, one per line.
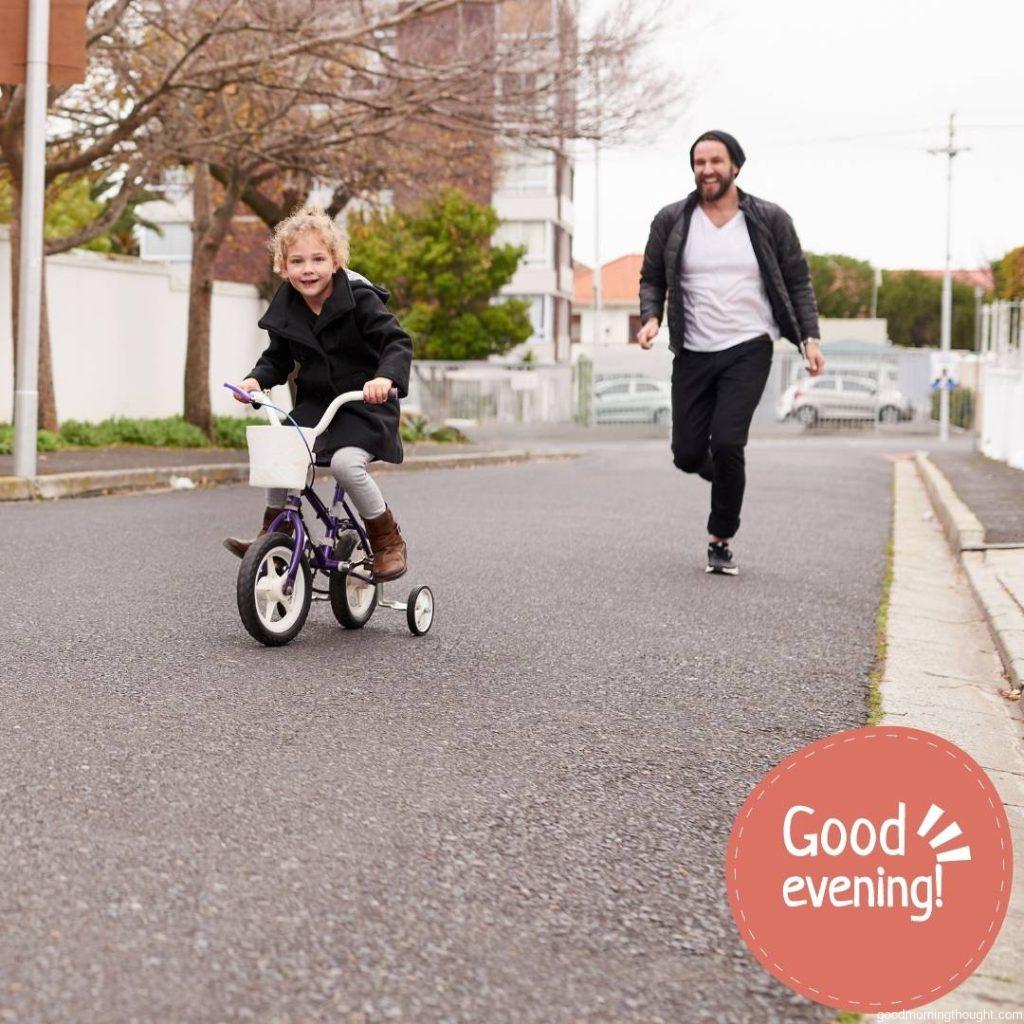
x=736, y=279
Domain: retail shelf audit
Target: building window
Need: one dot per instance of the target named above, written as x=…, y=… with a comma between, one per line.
x=531, y=170
x=174, y=245
x=538, y=313
x=533, y=234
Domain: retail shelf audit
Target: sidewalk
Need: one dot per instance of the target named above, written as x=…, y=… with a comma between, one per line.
x=980, y=503
x=90, y=471
x=944, y=672
x=84, y=472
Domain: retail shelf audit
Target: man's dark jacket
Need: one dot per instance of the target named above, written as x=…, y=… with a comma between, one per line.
x=776, y=246
x=354, y=339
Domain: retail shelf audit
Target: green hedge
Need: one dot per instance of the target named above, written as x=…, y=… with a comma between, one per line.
x=174, y=432
x=169, y=432
x=961, y=407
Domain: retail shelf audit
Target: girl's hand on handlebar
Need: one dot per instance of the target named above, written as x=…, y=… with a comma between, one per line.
x=377, y=391
x=249, y=385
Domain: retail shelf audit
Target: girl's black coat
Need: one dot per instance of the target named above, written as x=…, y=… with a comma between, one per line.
x=354, y=339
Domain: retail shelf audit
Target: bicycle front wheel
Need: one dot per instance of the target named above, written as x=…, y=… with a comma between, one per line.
x=268, y=613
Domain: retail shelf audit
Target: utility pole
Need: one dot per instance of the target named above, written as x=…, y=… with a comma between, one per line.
x=26, y=392
x=950, y=150
x=597, y=244
x=597, y=213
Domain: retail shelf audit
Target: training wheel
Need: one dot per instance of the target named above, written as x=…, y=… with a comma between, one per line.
x=419, y=610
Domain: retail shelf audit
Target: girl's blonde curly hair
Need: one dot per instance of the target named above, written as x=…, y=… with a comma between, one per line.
x=310, y=217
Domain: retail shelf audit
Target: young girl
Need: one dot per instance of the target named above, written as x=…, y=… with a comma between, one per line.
x=334, y=324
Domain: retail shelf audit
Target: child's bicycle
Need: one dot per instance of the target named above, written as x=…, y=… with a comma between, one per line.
x=277, y=575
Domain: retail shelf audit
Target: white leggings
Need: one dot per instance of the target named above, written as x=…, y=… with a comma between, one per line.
x=348, y=467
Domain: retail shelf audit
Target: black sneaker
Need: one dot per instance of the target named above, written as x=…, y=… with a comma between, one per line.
x=720, y=559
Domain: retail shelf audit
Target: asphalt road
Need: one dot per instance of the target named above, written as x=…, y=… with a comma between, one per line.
x=520, y=817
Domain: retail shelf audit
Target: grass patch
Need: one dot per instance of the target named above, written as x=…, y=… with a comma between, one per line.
x=881, y=646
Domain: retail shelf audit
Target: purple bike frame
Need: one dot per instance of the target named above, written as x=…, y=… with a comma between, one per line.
x=322, y=557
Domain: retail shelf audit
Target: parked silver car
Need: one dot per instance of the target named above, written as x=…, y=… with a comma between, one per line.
x=632, y=400
x=843, y=397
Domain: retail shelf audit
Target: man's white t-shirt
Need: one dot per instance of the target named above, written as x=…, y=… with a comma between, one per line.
x=724, y=299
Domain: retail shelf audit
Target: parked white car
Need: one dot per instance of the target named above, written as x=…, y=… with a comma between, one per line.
x=842, y=397
x=632, y=400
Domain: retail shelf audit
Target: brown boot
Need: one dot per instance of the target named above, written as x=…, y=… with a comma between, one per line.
x=239, y=547
x=388, y=547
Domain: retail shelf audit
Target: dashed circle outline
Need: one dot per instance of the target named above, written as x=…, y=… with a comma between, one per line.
x=867, y=734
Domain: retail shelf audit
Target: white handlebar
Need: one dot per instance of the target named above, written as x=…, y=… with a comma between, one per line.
x=329, y=413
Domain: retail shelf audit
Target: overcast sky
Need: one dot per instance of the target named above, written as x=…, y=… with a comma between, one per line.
x=787, y=76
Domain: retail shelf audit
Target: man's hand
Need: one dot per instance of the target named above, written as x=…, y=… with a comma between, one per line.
x=648, y=333
x=376, y=391
x=249, y=385
x=815, y=360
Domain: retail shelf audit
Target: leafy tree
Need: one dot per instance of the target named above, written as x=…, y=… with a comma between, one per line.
x=444, y=274
x=912, y=303
x=73, y=204
x=1009, y=275
x=842, y=284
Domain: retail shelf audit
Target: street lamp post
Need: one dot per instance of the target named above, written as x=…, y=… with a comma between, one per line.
x=26, y=393
x=947, y=276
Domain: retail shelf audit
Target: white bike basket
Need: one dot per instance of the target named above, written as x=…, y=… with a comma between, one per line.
x=277, y=456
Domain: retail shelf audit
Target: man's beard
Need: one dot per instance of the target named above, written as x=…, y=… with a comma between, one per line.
x=724, y=184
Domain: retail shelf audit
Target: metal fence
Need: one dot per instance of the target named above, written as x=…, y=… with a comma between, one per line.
x=483, y=392
x=889, y=370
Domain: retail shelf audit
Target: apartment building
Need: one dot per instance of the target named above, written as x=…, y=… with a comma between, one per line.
x=530, y=188
x=533, y=196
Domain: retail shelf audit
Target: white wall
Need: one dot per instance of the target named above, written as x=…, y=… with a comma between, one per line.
x=873, y=330
x=1002, y=419
x=615, y=323
x=118, y=331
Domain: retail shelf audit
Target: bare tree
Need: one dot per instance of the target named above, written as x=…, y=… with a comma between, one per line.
x=412, y=93
x=264, y=97
x=108, y=128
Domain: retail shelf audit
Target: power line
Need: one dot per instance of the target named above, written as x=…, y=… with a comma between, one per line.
x=860, y=137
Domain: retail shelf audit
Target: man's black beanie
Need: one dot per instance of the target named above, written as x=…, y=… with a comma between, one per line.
x=735, y=149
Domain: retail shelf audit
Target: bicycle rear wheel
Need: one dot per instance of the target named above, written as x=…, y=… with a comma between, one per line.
x=353, y=601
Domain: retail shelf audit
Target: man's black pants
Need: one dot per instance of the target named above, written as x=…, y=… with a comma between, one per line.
x=714, y=395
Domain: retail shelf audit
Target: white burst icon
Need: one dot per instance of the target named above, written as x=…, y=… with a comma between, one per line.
x=947, y=835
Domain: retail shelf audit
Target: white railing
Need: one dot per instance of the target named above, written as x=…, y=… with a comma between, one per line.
x=1002, y=329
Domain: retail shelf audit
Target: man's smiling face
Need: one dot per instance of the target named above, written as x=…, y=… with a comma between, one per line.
x=713, y=170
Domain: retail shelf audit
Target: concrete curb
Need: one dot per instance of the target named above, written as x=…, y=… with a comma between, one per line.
x=87, y=484
x=1003, y=611
x=962, y=526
